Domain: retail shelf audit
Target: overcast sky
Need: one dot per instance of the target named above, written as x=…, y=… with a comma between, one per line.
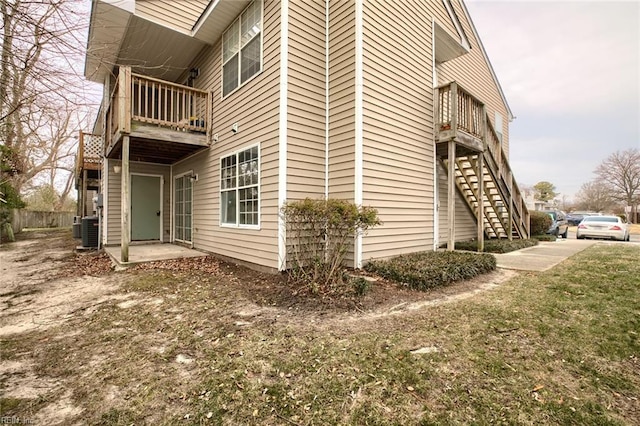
x=571, y=74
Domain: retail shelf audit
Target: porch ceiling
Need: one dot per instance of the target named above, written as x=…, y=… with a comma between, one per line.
x=155, y=151
x=157, y=51
x=118, y=37
x=447, y=47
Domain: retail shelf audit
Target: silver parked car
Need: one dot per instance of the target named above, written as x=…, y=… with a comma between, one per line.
x=603, y=227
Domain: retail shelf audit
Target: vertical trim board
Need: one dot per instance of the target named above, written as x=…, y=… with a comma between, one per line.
x=282, y=135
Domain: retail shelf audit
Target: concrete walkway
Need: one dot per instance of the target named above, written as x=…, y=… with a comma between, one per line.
x=544, y=256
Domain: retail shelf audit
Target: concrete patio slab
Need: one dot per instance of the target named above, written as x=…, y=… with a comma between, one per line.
x=141, y=253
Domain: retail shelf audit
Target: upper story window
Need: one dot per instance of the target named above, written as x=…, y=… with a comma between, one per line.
x=242, y=48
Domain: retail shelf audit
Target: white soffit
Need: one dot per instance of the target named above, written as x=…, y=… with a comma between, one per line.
x=447, y=47
x=157, y=51
x=106, y=32
x=218, y=15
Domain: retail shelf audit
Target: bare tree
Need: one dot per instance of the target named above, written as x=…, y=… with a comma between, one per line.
x=620, y=172
x=594, y=196
x=42, y=93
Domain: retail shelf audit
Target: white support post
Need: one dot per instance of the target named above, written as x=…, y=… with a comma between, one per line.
x=480, y=174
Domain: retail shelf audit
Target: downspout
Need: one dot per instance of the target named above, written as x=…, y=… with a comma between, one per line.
x=358, y=184
x=436, y=186
x=326, y=99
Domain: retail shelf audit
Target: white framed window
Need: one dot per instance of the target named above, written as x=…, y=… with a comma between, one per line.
x=240, y=188
x=498, y=126
x=242, y=48
x=182, y=207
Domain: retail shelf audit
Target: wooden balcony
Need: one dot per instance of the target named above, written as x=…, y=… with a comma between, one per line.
x=459, y=117
x=89, y=161
x=165, y=121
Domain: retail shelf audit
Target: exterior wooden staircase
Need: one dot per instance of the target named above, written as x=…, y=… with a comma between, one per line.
x=468, y=145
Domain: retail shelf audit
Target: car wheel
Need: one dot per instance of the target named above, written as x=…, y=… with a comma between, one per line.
x=566, y=232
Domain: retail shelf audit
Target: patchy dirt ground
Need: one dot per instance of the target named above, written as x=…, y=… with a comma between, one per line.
x=84, y=344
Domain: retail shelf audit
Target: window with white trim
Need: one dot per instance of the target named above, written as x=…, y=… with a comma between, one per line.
x=498, y=126
x=242, y=48
x=239, y=188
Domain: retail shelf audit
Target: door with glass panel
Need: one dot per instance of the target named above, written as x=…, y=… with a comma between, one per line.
x=183, y=201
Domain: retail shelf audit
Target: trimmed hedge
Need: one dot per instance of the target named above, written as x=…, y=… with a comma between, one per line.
x=426, y=270
x=544, y=237
x=539, y=222
x=496, y=246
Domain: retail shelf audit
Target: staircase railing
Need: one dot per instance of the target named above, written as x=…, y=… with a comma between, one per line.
x=506, y=182
x=469, y=117
x=150, y=100
x=469, y=110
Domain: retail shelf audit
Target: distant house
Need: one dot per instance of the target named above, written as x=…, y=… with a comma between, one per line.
x=215, y=113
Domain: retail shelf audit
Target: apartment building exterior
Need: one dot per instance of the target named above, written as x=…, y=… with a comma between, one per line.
x=216, y=113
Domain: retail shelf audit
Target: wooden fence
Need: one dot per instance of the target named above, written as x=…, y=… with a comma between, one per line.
x=21, y=219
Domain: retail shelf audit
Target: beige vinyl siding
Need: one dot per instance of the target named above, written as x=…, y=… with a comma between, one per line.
x=398, y=130
x=254, y=107
x=306, y=100
x=466, y=225
x=114, y=198
x=181, y=15
x=472, y=72
x=441, y=16
x=341, y=99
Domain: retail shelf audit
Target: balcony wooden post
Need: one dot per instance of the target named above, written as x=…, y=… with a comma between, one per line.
x=84, y=193
x=451, y=198
x=436, y=112
x=79, y=171
x=454, y=108
x=511, y=205
x=125, y=202
x=124, y=100
x=480, y=174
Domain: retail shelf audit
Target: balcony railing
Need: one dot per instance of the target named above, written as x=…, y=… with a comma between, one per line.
x=469, y=116
x=89, y=155
x=137, y=98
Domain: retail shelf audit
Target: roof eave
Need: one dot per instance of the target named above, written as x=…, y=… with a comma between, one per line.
x=486, y=57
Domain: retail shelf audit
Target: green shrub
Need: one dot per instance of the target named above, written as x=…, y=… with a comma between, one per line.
x=496, y=246
x=426, y=270
x=319, y=235
x=361, y=285
x=544, y=237
x=539, y=222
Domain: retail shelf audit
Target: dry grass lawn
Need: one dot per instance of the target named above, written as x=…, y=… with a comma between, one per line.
x=229, y=346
